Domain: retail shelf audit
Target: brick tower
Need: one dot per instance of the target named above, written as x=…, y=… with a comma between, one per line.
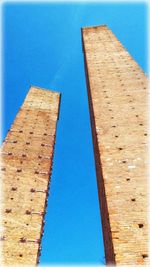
x=26, y=162
x=118, y=102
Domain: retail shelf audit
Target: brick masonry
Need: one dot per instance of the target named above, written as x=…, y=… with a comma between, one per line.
x=118, y=102
x=26, y=163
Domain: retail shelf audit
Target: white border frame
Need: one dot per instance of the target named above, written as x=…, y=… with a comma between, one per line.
x=1, y=92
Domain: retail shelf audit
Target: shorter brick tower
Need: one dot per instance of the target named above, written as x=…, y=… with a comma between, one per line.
x=118, y=101
x=26, y=163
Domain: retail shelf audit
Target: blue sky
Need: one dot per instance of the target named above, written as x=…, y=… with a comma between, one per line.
x=42, y=46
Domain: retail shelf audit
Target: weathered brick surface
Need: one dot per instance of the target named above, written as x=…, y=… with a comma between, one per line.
x=26, y=163
x=118, y=101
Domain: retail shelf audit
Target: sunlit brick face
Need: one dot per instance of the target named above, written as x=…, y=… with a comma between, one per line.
x=26, y=165
x=118, y=101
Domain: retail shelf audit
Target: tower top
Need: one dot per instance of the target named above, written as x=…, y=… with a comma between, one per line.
x=101, y=27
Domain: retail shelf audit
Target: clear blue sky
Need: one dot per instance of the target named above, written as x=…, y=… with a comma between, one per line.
x=42, y=46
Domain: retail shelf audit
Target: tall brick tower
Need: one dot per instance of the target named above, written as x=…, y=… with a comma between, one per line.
x=26, y=162
x=118, y=102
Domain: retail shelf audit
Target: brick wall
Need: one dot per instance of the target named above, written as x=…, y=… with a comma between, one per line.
x=118, y=102
x=26, y=164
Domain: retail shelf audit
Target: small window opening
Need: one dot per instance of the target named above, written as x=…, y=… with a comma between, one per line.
x=19, y=170
x=32, y=190
x=14, y=188
x=28, y=212
x=23, y=240
x=8, y=210
x=145, y=256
